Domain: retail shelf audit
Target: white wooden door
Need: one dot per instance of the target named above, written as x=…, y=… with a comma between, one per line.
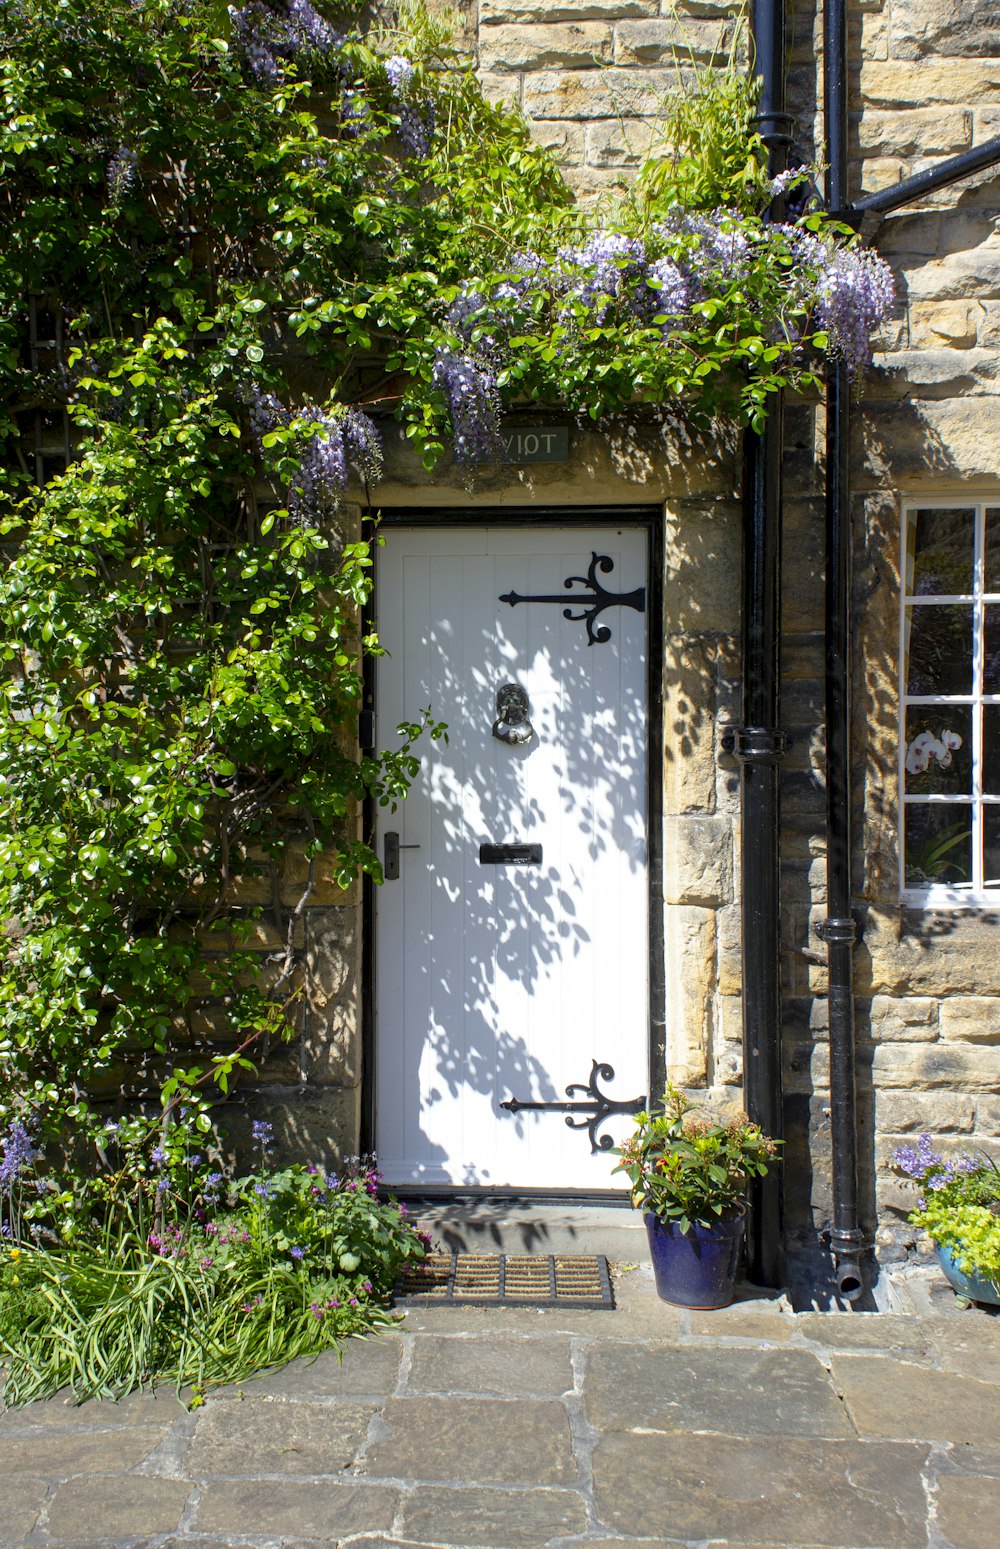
x=507, y=982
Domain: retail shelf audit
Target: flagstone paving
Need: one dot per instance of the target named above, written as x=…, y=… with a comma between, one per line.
x=750, y=1428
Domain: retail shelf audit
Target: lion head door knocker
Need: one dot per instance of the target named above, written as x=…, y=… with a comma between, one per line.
x=512, y=725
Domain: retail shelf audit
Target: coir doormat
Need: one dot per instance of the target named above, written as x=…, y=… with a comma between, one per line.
x=508, y=1280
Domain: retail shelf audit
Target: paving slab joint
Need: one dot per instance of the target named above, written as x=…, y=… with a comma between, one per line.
x=407, y=1343
x=583, y=1436
x=189, y=1515
x=377, y=1430
x=168, y=1460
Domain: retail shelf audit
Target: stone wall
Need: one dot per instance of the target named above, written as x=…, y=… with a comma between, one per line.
x=591, y=75
x=922, y=87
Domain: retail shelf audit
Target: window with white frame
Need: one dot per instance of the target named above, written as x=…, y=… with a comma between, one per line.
x=950, y=701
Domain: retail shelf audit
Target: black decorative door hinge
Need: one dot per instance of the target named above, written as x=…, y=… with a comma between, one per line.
x=599, y=598
x=600, y=1106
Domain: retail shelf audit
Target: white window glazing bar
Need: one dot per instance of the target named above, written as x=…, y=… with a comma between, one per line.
x=977, y=800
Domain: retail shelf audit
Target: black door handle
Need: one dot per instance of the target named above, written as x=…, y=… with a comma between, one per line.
x=390, y=865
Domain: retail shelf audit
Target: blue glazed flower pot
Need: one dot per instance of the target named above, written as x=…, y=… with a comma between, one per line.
x=696, y=1268
x=972, y=1287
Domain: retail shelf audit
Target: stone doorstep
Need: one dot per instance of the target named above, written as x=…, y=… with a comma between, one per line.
x=502, y=1226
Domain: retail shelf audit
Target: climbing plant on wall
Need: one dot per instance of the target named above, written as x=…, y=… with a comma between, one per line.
x=239, y=247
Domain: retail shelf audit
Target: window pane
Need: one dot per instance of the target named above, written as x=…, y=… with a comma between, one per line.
x=939, y=659
x=993, y=550
x=943, y=551
x=939, y=750
x=991, y=649
x=991, y=750
x=938, y=845
x=991, y=846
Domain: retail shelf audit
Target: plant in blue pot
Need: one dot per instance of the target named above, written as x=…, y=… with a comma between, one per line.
x=958, y=1206
x=689, y=1176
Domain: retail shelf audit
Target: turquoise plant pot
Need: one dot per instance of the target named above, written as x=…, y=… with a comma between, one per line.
x=971, y=1287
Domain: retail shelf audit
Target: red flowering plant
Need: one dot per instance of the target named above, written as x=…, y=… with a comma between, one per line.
x=692, y=1170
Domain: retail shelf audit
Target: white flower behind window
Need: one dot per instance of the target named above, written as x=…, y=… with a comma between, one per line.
x=925, y=747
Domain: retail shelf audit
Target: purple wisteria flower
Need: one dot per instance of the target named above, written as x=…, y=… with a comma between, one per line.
x=400, y=73
x=470, y=387
x=609, y=265
x=471, y=312
x=671, y=292
x=335, y=443
x=267, y=413
x=785, y=180
x=416, y=113
x=853, y=294
x=121, y=173
x=715, y=249
x=268, y=40
x=339, y=442
x=525, y=270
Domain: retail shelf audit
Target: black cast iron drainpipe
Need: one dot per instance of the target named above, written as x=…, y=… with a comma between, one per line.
x=839, y=927
x=758, y=742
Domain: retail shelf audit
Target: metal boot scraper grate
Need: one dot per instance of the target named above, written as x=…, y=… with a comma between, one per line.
x=508, y=1280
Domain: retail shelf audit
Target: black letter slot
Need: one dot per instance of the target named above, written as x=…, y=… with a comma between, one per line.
x=510, y=855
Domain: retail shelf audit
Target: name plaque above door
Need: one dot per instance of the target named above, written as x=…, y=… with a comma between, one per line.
x=536, y=443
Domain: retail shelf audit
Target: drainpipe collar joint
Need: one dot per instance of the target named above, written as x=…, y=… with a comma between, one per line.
x=756, y=744
x=838, y=932
x=774, y=127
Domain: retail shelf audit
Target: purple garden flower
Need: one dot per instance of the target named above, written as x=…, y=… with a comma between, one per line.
x=297, y=1253
x=263, y=1134
x=335, y=443
x=917, y=1161
x=18, y=1155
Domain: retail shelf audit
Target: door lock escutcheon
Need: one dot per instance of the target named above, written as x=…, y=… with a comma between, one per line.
x=390, y=863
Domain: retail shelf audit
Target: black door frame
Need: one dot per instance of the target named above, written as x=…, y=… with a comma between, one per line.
x=650, y=518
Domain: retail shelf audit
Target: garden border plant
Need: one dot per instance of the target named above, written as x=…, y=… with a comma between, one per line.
x=237, y=245
x=958, y=1206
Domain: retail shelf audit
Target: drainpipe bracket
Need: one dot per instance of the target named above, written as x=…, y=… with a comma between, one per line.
x=838, y=932
x=755, y=744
